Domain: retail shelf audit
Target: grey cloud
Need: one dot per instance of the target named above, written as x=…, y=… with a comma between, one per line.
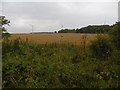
x=47, y=16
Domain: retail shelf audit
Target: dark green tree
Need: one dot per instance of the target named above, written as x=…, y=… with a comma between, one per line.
x=3, y=22
x=67, y=31
x=94, y=29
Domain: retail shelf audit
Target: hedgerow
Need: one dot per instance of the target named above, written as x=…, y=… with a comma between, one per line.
x=27, y=65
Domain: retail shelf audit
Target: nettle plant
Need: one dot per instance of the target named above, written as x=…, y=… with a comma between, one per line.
x=101, y=48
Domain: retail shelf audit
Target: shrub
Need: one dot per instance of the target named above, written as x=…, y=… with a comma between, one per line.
x=115, y=35
x=101, y=47
x=55, y=66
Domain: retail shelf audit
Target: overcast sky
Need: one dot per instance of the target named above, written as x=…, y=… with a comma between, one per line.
x=49, y=16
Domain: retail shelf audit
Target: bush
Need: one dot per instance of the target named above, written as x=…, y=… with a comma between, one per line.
x=115, y=35
x=101, y=48
x=29, y=65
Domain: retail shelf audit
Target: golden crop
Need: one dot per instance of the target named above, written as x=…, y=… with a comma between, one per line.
x=66, y=38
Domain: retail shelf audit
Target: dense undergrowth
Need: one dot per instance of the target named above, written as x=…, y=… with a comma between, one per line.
x=28, y=65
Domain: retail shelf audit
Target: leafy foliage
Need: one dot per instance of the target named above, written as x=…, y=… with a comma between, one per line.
x=115, y=34
x=67, y=31
x=102, y=47
x=94, y=29
x=88, y=29
x=4, y=22
x=26, y=65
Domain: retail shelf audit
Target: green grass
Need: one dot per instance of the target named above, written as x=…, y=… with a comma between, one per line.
x=56, y=66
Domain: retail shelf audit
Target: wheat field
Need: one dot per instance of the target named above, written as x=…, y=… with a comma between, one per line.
x=66, y=38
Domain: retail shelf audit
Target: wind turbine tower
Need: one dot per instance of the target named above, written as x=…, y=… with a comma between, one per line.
x=119, y=11
x=32, y=27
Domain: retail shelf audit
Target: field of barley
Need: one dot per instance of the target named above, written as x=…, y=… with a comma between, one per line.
x=66, y=38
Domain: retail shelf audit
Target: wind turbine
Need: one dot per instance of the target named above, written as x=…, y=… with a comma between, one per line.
x=32, y=26
x=61, y=26
x=105, y=21
x=119, y=11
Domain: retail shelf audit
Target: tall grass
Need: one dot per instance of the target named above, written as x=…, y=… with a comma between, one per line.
x=27, y=65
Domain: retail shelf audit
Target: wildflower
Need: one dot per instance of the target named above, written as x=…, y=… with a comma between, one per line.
x=42, y=48
x=100, y=77
x=102, y=73
x=107, y=74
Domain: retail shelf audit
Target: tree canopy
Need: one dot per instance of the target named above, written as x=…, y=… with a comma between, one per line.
x=3, y=22
x=88, y=29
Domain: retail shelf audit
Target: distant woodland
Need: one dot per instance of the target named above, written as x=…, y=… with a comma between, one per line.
x=88, y=29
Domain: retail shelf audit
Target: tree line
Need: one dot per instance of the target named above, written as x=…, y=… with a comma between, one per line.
x=88, y=29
